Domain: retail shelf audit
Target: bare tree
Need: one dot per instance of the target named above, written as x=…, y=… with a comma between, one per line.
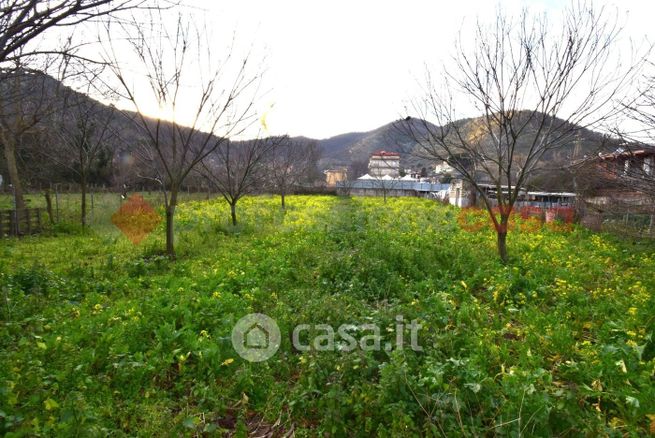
x=182, y=79
x=81, y=138
x=357, y=168
x=385, y=185
x=23, y=25
x=22, y=22
x=292, y=162
x=237, y=169
x=621, y=181
x=638, y=169
x=384, y=169
x=25, y=99
x=535, y=84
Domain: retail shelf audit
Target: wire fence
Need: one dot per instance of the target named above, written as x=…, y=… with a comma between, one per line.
x=62, y=204
x=623, y=223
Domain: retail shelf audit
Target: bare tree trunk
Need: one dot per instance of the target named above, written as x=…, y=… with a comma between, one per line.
x=282, y=196
x=501, y=232
x=170, y=229
x=83, y=189
x=12, y=168
x=233, y=212
x=502, y=246
x=48, y=206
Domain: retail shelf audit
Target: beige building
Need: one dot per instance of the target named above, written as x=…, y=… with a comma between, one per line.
x=461, y=193
x=333, y=176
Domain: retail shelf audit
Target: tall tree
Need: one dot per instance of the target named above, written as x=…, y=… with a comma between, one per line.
x=536, y=85
x=81, y=138
x=202, y=101
x=22, y=22
x=237, y=169
x=25, y=99
x=292, y=162
x=23, y=26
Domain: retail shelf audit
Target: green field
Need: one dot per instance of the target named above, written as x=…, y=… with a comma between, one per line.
x=100, y=206
x=102, y=337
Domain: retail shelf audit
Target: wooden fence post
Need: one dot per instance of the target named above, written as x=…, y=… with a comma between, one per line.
x=38, y=220
x=92, y=203
x=57, y=201
x=28, y=221
x=12, y=223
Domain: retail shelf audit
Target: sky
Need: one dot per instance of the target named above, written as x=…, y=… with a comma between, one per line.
x=333, y=67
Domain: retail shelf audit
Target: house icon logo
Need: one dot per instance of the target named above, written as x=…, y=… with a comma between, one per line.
x=256, y=337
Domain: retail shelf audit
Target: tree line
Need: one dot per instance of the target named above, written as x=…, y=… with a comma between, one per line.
x=64, y=132
x=536, y=79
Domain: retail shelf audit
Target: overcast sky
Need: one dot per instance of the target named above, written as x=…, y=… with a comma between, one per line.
x=340, y=66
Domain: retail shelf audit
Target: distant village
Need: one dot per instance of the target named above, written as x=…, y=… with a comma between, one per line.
x=611, y=184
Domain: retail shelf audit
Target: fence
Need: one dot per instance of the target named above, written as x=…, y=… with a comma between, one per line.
x=21, y=222
x=565, y=214
x=61, y=204
x=638, y=224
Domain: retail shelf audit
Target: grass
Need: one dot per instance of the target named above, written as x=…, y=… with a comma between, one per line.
x=99, y=336
x=100, y=206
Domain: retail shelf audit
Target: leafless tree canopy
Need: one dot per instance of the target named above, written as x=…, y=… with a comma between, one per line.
x=180, y=64
x=239, y=168
x=640, y=113
x=81, y=136
x=292, y=162
x=26, y=99
x=357, y=168
x=630, y=168
x=23, y=21
x=23, y=24
x=536, y=83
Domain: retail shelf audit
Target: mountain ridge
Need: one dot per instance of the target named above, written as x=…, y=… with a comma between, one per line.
x=342, y=150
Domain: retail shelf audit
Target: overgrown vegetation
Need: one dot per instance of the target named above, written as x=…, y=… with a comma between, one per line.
x=102, y=337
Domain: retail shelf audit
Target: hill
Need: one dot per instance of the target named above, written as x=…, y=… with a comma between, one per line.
x=339, y=150
x=344, y=149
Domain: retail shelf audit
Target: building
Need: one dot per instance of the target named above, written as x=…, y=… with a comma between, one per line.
x=334, y=176
x=461, y=193
x=628, y=163
x=619, y=180
x=444, y=168
x=387, y=186
x=618, y=189
x=384, y=163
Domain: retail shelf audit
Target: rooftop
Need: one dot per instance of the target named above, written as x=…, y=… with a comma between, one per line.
x=385, y=154
x=629, y=153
